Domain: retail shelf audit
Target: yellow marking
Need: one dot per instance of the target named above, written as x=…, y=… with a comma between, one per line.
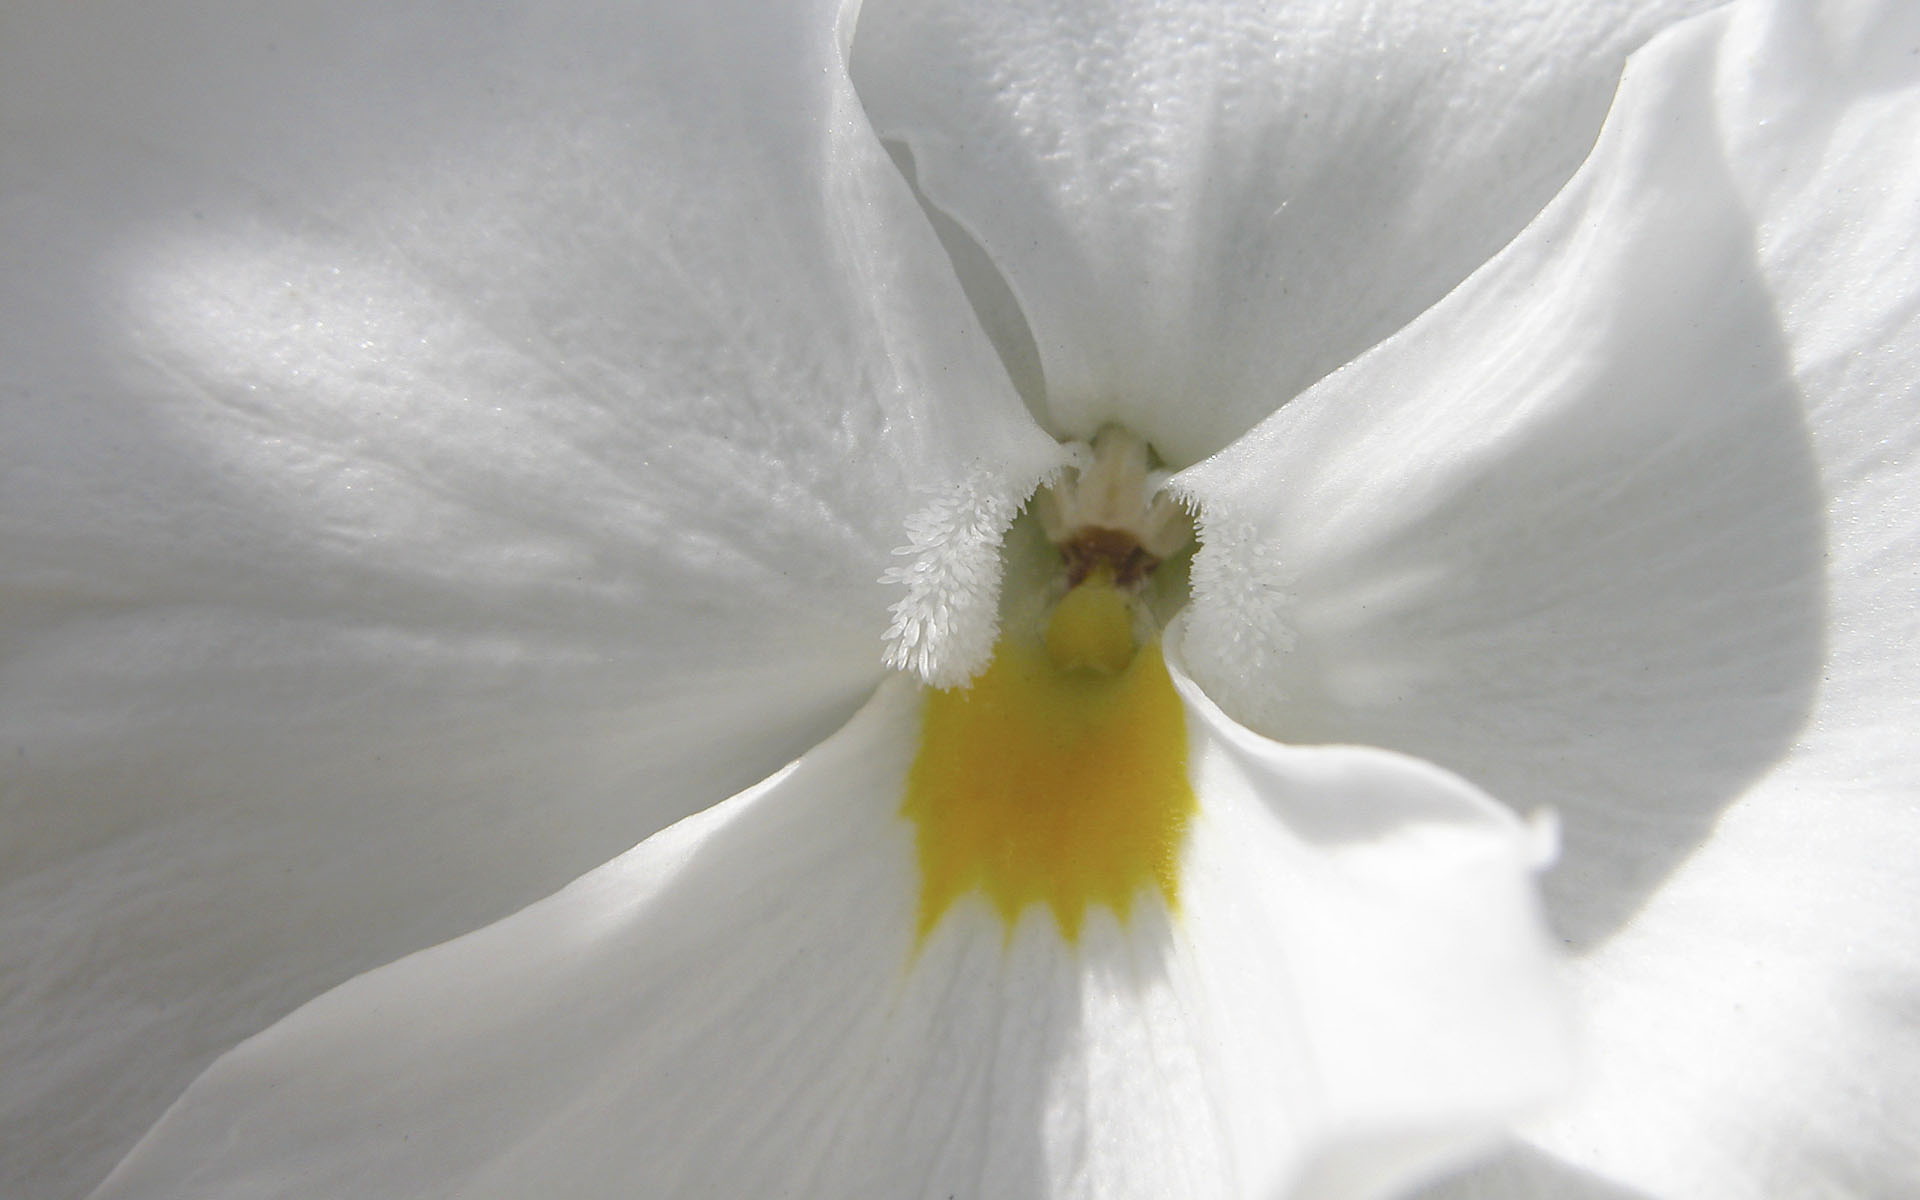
x=1049, y=782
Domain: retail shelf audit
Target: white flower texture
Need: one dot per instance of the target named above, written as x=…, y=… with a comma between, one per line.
x=441, y=450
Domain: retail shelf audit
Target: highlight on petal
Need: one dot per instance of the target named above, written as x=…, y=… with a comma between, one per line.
x=1354, y=991
x=1203, y=206
x=1626, y=526
x=438, y=448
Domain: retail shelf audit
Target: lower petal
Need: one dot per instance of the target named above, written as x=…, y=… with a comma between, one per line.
x=1351, y=992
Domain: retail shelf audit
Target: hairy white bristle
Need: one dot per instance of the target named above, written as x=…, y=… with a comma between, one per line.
x=944, y=628
x=1236, y=629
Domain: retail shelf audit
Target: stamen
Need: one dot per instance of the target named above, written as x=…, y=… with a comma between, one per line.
x=1113, y=513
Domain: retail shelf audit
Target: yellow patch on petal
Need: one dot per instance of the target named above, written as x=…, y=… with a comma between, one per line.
x=1058, y=777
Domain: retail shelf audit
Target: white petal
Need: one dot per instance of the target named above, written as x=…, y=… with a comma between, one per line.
x=1354, y=988
x=1629, y=525
x=437, y=449
x=1204, y=206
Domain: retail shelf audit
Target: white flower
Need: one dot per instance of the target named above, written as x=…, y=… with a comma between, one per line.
x=439, y=451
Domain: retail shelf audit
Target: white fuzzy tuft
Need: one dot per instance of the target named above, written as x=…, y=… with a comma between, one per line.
x=944, y=628
x=1236, y=628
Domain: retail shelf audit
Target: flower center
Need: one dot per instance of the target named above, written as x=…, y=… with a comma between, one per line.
x=1059, y=776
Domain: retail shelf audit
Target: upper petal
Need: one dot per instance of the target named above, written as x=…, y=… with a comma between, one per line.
x=1628, y=524
x=1202, y=207
x=436, y=450
x=1354, y=988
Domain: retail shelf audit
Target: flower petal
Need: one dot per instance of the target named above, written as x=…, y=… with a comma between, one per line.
x=437, y=450
x=1204, y=206
x=1354, y=988
x=1628, y=525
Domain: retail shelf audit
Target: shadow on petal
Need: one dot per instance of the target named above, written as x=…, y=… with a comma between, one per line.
x=1620, y=618
x=1523, y=1171
x=1564, y=535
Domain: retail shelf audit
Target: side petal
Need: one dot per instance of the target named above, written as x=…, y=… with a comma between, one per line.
x=1202, y=207
x=1353, y=990
x=1628, y=526
x=437, y=450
